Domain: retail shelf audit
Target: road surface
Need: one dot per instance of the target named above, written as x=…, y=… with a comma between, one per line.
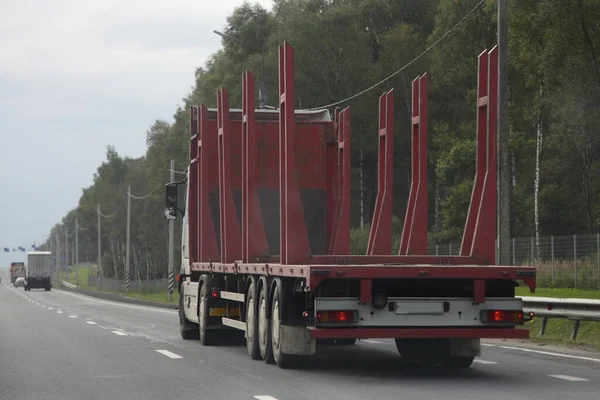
x=61, y=345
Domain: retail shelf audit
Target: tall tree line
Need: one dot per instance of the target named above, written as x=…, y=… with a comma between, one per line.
x=344, y=46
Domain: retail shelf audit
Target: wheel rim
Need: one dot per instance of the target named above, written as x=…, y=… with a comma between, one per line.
x=275, y=325
x=262, y=324
x=250, y=322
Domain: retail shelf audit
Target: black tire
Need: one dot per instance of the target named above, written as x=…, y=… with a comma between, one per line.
x=206, y=336
x=457, y=362
x=345, y=342
x=187, y=329
x=281, y=359
x=264, y=327
x=252, y=324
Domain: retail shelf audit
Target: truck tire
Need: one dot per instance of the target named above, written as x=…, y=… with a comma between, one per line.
x=264, y=327
x=187, y=329
x=207, y=337
x=281, y=359
x=457, y=362
x=252, y=323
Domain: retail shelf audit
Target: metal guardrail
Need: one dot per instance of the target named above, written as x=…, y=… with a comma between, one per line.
x=576, y=310
x=68, y=285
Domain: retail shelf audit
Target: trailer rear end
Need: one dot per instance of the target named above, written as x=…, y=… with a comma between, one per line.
x=39, y=270
x=267, y=235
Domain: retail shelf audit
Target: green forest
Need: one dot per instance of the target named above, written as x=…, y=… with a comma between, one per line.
x=344, y=46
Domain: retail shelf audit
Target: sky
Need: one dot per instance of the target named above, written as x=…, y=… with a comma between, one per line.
x=78, y=75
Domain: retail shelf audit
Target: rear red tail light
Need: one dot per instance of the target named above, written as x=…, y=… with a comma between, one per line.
x=341, y=316
x=215, y=294
x=514, y=316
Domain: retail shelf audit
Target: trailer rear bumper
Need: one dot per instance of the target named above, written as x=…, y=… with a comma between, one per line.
x=421, y=333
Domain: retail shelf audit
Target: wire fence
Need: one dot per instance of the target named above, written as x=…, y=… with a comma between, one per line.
x=562, y=261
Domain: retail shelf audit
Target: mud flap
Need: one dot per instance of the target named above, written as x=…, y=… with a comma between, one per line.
x=465, y=347
x=296, y=340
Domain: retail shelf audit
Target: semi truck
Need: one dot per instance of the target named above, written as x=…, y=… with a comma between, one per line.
x=266, y=235
x=39, y=270
x=17, y=270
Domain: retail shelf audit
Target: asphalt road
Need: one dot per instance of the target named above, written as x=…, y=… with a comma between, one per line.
x=61, y=345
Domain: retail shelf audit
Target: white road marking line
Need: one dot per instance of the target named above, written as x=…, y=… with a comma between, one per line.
x=90, y=322
x=551, y=354
x=168, y=354
x=50, y=308
x=264, y=397
x=59, y=312
x=73, y=316
x=488, y=345
x=119, y=333
x=569, y=378
x=372, y=341
x=484, y=362
x=43, y=306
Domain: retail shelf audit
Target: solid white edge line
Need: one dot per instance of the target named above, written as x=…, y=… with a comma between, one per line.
x=119, y=333
x=168, y=354
x=569, y=378
x=551, y=354
x=264, y=397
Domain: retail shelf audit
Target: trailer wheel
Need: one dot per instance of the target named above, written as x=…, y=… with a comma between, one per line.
x=206, y=335
x=281, y=359
x=459, y=362
x=264, y=327
x=252, y=324
x=188, y=330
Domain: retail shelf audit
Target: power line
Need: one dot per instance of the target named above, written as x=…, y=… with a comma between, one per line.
x=111, y=215
x=143, y=197
x=405, y=66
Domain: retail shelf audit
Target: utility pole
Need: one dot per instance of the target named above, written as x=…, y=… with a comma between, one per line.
x=100, y=272
x=57, y=254
x=503, y=138
x=76, y=259
x=171, y=237
x=128, y=239
x=66, y=248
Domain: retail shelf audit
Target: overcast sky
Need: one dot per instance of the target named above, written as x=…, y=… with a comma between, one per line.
x=78, y=75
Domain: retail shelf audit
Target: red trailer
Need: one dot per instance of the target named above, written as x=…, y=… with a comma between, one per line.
x=266, y=235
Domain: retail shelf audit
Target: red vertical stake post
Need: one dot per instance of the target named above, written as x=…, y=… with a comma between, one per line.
x=340, y=236
x=380, y=236
x=207, y=239
x=254, y=241
x=414, y=232
x=484, y=240
x=294, y=243
x=230, y=231
x=466, y=248
x=332, y=180
x=194, y=173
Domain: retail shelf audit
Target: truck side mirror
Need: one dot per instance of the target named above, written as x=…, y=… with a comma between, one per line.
x=171, y=201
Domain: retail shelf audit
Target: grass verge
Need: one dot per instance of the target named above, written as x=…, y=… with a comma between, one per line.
x=71, y=277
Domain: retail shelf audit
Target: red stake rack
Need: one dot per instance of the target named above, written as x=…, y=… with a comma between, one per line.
x=293, y=171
